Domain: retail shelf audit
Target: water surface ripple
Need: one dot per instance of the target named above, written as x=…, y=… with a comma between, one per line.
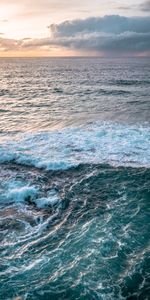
x=74, y=179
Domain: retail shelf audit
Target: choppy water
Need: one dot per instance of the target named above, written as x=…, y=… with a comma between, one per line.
x=74, y=179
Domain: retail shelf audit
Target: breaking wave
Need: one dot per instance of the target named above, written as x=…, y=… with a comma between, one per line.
x=73, y=203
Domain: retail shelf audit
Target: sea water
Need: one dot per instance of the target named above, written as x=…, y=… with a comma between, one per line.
x=74, y=178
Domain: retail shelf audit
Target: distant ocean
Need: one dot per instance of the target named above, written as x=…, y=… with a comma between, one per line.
x=74, y=179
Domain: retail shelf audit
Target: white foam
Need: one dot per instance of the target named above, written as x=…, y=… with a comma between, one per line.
x=94, y=143
x=52, y=199
x=44, y=202
x=18, y=193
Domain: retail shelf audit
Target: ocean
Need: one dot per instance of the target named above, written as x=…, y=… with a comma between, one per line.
x=74, y=179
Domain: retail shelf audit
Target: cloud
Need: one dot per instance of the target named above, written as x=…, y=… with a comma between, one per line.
x=124, y=7
x=108, y=24
x=145, y=6
x=110, y=35
x=9, y=44
x=4, y=21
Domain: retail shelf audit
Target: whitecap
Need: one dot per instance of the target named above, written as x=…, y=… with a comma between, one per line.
x=18, y=193
x=115, y=144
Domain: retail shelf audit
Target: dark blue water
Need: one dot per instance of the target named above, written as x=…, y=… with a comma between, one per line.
x=74, y=179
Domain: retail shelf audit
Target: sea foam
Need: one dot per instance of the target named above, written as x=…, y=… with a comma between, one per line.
x=19, y=192
x=94, y=143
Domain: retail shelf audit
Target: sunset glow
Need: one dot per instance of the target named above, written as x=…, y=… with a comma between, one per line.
x=25, y=19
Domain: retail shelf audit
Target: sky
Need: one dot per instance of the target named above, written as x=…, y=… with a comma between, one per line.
x=74, y=27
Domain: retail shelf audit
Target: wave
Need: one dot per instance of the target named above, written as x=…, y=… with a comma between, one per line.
x=125, y=82
x=94, y=143
x=72, y=204
x=74, y=234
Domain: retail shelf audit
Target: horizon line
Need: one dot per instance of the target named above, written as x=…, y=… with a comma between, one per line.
x=76, y=56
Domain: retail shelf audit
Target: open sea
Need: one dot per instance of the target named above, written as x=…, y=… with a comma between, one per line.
x=74, y=179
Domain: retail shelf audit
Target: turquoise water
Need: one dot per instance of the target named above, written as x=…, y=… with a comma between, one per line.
x=74, y=179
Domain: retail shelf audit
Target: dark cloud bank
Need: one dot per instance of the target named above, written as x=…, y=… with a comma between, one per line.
x=110, y=35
